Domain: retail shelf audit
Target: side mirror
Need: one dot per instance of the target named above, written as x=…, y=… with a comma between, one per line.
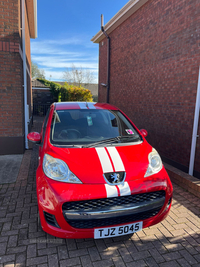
x=144, y=132
x=34, y=137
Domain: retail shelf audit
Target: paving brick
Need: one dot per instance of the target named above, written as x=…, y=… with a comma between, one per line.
x=46, y=251
x=31, y=251
x=174, y=247
x=183, y=263
x=78, y=252
x=100, y=245
x=6, y=226
x=21, y=259
x=12, y=242
x=2, y=249
x=197, y=257
x=86, y=244
x=53, y=260
x=130, y=246
x=10, y=264
x=156, y=255
x=191, y=240
x=139, y=263
x=7, y=258
x=188, y=257
x=94, y=254
x=36, y=260
x=118, y=262
x=107, y=263
x=71, y=244
x=151, y=262
x=3, y=239
x=23, y=233
x=86, y=261
x=170, y=264
x=140, y=255
x=192, y=250
x=16, y=249
x=43, y=265
x=8, y=233
x=171, y=256
x=70, y=262
x=108, y=254
x=63, y=252
x=32, y=227
x=116, y=245
x=145, y=246
x=126, y=256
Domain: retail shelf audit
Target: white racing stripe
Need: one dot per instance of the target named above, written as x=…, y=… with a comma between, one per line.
x=111, y=190
x=106, y=165
x=104, y=159
x=117, y=161
x=124, y=189
x=82, y=105
x=90, y=105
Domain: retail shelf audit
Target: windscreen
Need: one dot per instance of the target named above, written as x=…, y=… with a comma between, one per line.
x=85, y=126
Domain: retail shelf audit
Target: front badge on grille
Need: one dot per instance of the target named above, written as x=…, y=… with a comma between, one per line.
x=114, y=178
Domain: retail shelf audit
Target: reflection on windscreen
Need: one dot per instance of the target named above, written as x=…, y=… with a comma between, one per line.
x=85, y=126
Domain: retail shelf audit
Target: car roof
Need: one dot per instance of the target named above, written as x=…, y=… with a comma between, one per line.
x=83, y=105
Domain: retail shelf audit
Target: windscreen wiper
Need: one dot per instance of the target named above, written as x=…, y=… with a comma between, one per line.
x=104, y=141
x=111, y=140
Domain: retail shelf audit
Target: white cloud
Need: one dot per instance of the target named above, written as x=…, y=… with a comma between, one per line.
x=54, y=56
x=54, y=75
x=60, y=62
x=46, y=49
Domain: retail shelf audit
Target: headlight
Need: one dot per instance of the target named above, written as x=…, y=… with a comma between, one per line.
x=58, y=170
x=155, y=163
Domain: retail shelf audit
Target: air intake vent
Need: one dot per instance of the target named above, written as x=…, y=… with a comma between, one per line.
x=50, y=219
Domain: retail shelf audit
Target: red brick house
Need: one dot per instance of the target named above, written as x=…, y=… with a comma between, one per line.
x=18, y=25
x=154, y=67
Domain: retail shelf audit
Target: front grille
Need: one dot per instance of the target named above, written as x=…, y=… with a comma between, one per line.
x=84, y=224
x=107, y=203
x=95, y=204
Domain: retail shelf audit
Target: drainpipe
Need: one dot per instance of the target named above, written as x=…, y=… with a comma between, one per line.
x=195, y=128
x=24, y=73
x=108, y=60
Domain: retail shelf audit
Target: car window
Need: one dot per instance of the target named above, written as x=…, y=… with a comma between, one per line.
x=82, y=126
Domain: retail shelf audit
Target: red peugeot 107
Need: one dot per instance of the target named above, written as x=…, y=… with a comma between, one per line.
x=97, y=175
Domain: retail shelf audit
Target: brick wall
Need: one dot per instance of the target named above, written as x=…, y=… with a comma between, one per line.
x=155, y=57
x=11, y=78
x=42, y=96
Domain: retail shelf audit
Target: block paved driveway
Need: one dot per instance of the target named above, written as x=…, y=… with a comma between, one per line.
x=174, y=242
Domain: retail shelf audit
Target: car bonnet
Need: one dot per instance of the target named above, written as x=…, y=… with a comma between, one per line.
x=90, y=164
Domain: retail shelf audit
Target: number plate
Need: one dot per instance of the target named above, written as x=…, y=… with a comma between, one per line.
x=118, y=230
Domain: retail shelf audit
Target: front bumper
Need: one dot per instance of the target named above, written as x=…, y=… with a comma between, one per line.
x=73, y=223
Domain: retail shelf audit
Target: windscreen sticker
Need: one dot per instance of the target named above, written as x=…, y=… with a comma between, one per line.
x=129, y=131
x=89, y=120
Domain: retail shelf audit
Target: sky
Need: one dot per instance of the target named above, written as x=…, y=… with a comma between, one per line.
x=65, y=29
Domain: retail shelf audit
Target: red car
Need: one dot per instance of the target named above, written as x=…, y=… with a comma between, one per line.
x=97, y=175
